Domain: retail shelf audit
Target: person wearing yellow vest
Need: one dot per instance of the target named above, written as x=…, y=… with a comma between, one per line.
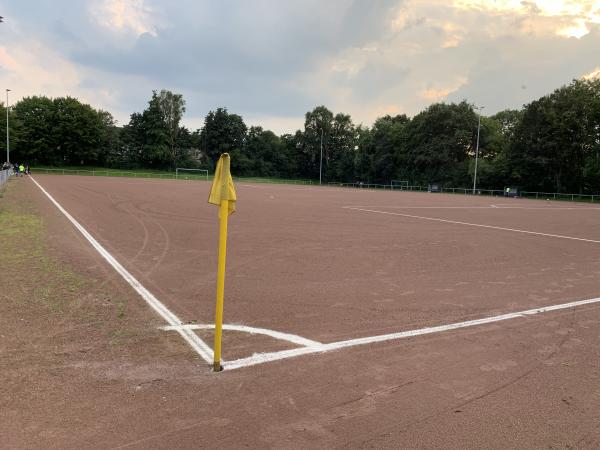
x=21, y=169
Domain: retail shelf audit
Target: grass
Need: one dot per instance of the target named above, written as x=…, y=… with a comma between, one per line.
x=37, y=280
x=34, y=277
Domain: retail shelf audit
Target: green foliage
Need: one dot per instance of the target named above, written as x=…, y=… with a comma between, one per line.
x=553, y=143
x=154, y=138
x=59, y=131
x=224, y=133
x=556, y=142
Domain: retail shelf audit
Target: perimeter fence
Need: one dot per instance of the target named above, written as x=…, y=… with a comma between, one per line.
x=4, y=176
x=103, y=173
x=589, y=198
x=162, y=175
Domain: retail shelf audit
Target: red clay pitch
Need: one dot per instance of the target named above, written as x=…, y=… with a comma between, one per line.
x=300, y=261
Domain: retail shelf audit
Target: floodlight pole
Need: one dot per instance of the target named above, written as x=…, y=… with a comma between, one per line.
x=7, y=130
x=321, y=163
x=477, y=150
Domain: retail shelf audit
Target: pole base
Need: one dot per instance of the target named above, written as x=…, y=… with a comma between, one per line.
x=217, y=367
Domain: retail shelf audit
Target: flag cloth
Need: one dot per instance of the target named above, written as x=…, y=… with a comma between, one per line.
x=222, y=186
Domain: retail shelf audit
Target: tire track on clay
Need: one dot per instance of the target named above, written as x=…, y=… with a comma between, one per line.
x=118, y=204
x=129, y=207
x=166, y=245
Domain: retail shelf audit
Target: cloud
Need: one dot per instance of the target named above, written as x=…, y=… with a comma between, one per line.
x=131, y=16
x=273, y=61
x=592, y=75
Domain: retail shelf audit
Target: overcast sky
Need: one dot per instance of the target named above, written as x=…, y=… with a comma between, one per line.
x=271, y=61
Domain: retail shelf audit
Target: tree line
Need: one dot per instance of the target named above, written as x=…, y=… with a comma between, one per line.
x=550, y=144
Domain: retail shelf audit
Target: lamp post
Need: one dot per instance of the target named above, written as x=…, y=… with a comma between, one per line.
x=7, y=130
x=321, y=163
x=477, y=150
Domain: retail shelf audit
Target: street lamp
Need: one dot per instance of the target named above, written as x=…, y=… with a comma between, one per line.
x=7, y=131
x=321, y=163
x=477, y=150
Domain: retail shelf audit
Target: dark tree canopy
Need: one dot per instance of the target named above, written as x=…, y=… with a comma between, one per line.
x=551, y=144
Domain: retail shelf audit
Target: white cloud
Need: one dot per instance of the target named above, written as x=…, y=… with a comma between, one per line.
x=128, y=16
x=568, y=18
x=593, y=75
x=31, y=68
x=271, y=65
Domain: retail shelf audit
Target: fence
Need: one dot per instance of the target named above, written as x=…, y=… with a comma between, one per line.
x=4, y=175
x=393, y=187
x=104, y=173
x=169, y=176
x=469, y=191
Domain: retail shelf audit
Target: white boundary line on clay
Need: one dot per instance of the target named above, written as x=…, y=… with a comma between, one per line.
x=190, y=337
x=293, y=338
x=261, y=358
x=472, y=224
x=491, y=206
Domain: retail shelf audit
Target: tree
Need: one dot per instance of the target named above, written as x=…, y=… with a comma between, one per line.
x=150, y=139
x=389, y=151
x=266, y=151
x=172, y=107
x=342, y=148
x=318, y=124
x=60, y=131
x=440, y=140
x=224, y=132
x=557, y=138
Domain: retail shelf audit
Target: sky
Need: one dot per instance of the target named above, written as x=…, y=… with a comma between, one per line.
x=271, y=61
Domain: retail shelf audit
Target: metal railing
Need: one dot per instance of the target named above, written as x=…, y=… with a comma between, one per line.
x=169, y=176
x=393, y=187
x=104, y=173
x=589, y=198
x=4, y=176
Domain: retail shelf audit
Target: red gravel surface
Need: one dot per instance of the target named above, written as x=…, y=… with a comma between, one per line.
x=301, y=262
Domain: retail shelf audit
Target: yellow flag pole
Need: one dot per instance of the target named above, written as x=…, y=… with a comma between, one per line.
x=223, y=216
x=223, y=213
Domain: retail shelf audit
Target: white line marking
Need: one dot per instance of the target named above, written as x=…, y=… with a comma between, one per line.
x=191, y=338
x=285, y=354
x=293, y=338
x=473, y=224
x=496, y=206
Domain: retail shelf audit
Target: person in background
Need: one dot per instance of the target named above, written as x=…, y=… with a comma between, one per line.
x=21, y=169
x=27, y=170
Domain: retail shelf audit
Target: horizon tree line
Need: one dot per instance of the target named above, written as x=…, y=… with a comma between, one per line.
x=550, y=144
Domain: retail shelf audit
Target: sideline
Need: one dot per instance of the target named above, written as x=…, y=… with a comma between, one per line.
x=323, y=348
x=188, y=335
x=495, y=205
x=515, y=230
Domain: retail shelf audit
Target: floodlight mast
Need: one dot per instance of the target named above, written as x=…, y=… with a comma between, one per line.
x=7, y=130
x=477, y=150
x=321, y=160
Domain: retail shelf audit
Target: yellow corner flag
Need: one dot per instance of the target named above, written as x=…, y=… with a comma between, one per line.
x=222, y=187
x=222, y=193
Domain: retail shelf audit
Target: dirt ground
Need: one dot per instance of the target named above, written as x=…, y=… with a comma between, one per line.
x=85, y=365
